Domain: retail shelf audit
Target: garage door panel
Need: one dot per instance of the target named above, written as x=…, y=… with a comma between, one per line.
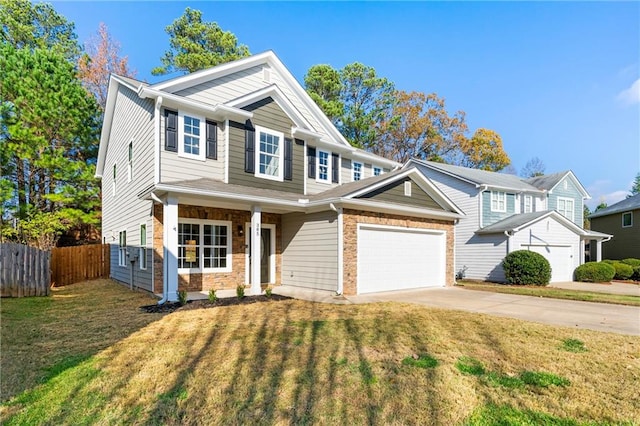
x=396, y=259
x=560, y=258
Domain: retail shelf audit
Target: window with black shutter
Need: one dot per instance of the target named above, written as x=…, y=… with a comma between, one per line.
x=212, y=140
x=170, y=130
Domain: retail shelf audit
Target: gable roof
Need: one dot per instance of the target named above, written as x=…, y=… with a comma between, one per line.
x=549, y=182
x=520, y=221
x=631, y=203
x=478, y=177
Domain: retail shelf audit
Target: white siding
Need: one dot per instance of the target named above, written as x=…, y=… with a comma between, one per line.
x=480, y=254
x=174, y=167
x=132, y=121
x=310, y=250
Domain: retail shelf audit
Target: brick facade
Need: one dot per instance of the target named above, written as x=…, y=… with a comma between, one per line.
x=221, y=280
x=351, y=219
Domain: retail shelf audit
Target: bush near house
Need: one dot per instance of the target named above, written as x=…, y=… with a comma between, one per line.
x=595, y=272
x=623, y=271
x=525, y=267
x=632, y=262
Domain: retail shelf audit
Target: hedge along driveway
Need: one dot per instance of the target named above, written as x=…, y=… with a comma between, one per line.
x=594, y=316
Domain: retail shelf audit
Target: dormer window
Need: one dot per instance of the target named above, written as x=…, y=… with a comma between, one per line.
x=377, y=171
x=269, y=156
x=191, y=142
x=498, y=201
x=528, y=204
x=566, y=207
x=356, y=170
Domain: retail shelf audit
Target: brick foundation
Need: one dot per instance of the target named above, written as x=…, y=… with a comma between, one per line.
x=221, y=280
x=351, y=219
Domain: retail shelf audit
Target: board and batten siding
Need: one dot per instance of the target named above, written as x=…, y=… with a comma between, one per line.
x=625, y=242
x=571, y=192
x=267, y=114
x=480, y=254
x=394, y=193
x=132, y=121
x=175, y=168
x=489, y=217
x=310, y=250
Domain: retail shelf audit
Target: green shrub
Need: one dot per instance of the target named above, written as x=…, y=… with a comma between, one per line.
x=240, y=291
x=525, y=267
x=182, y=297
x=595, y=272
x=268, y=292
x=632, y=262
x=609, y=261
x=212, y=295
x=623, y=271
x=636, y=273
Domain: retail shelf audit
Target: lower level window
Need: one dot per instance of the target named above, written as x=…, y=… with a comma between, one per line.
x=627, y=220
x=204, y=246
x=122, y=249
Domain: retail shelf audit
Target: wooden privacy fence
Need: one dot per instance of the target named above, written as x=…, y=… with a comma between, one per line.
x=24, y=271
x=74, y=264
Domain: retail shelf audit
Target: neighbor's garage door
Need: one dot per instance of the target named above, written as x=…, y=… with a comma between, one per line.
x=560, y=258
x=391, y=258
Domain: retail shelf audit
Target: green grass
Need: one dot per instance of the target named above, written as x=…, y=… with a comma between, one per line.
x=553, y=293
x=87, y=355
x=573, y=345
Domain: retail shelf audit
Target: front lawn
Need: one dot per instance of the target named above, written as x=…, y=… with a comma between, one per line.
x=553, y=293
x=88, y=355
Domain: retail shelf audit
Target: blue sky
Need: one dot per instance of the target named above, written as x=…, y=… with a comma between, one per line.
x=560, y=81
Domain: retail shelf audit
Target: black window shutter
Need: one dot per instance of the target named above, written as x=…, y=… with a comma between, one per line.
x=288, y=159
x=311, y=162
x=170, y=130
x=335, y=168
x=249, y=147
x=212, y=140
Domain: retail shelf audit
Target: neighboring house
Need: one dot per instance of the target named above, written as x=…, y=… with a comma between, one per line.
x=203, y=173
x=505, y=213
x=623, y=221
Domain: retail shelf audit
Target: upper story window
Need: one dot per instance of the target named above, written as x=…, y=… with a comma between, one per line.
x=357, y=170
x=324, y=166
x=528, y=203
x=498, y=201
x=204, y=246
x=566, y=207
x=269, y=154
x=113, y=188
x=377, y=171
x=130, y=163
x=190, y=136
x=627, y=220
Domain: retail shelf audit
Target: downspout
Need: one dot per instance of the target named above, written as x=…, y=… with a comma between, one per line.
x=165, y=290
x=482, y=188
x=338, y=210
x=508, y=235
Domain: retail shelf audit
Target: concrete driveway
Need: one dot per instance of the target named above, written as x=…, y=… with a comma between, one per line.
x=619, y=319
x=594, y=316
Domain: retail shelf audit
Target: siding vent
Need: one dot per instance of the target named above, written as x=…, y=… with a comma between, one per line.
x=266, y=74
x=407, y=188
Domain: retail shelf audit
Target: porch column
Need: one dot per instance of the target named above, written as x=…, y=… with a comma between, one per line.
x=599, y=251
x=256, y=224
x=170, y=217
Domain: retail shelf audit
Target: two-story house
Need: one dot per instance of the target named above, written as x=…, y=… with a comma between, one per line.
x=622, y=220
x=233, y=176
x=504, y=213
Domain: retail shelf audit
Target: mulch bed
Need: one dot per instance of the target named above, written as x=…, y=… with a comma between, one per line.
x=169, y=307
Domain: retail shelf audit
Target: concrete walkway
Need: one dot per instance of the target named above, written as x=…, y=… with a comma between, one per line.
x=610, y=288
x=594, y=316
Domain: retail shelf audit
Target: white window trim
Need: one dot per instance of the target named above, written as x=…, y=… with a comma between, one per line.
x=202, y=141
x=573, y=207
x=495, y=196
x=530, y=207
x=630, y=215
x=280, y=135
x=373, y=170
x=353, y=170
x=130, y=161
x=329, y=171
x=142, y=250
x=122, y=249
x=200, y=244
